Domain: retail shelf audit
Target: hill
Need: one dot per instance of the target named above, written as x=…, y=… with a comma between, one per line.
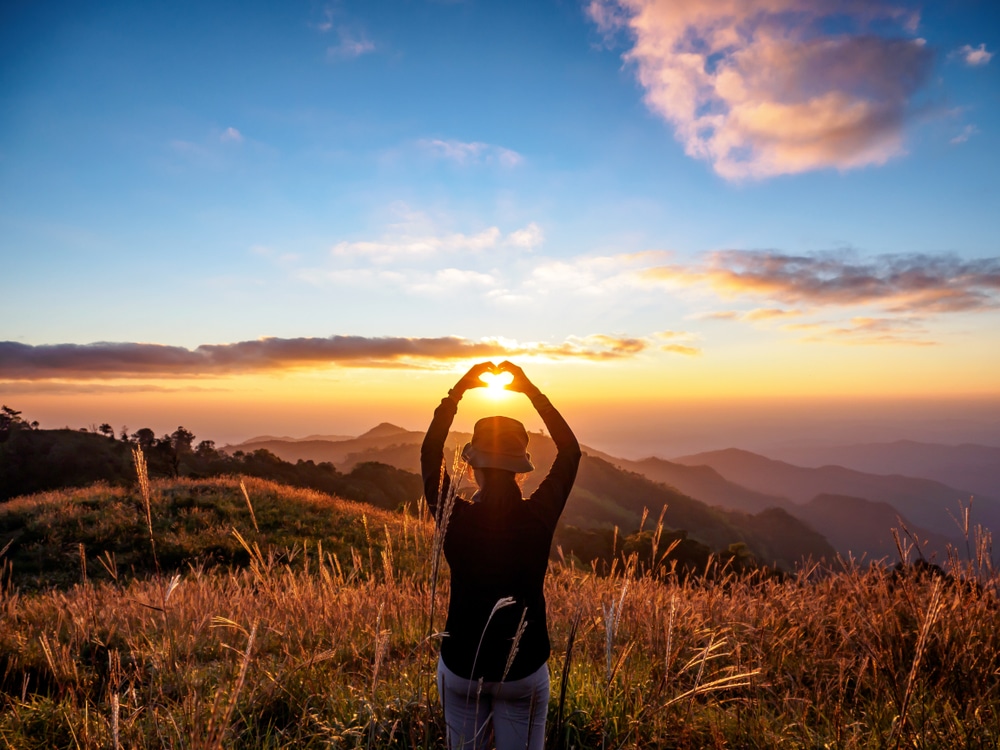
x=704, y=483
x=38, y=460
x=342, y=453
x=605, y=495
x=855, y=526
x=41, y=460
x=926, y=503
x=193, y=522
x=974, y=467
x=307, y=650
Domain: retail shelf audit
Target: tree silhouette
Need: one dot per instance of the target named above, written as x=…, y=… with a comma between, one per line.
x=145, y=438
x=179, y=445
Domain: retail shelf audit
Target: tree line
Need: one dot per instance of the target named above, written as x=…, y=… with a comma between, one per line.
x=37, y=460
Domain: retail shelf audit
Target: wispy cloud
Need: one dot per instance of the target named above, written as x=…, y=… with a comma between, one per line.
x=868, y=331
x=593, y=275
x=231, y=135
x=350, y=43
x=466, y=153
x=897, y=283
x=967, y=132
x=415, y=242
x=973, y=56
x=678, y=342
x=530, y=237
x=24, y=362
x=769, y=313
x=761, y=87
x=349, y=46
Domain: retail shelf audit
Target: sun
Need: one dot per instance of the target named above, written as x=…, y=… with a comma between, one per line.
x=496, y=383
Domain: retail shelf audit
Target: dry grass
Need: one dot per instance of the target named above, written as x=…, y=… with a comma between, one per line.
x=309, y=650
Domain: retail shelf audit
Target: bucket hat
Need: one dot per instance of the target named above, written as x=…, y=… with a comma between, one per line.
x=498, y=443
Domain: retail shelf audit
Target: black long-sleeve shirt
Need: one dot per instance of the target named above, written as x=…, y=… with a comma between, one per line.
x=498, y=547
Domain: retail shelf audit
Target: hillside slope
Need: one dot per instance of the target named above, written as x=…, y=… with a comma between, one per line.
x=856, y=526
x=193, y=523
x=927, y=503
x=974, y=467
x=704, y=483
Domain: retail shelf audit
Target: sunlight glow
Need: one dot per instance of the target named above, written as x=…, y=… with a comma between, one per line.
x=496, y=383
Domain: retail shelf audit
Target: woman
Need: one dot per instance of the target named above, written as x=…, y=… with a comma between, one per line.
x=490, y=677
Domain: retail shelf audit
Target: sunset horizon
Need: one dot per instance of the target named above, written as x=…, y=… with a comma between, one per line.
x=312, y=219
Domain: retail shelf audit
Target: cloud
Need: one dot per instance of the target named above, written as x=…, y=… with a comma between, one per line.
x=473, y=152
x=403, y=242
x=769, y=313
x=687, y=351
x=967, y=132
x=530, y=237
x=130, y=360
x=868, y=331
x=349, y=45
x=598, y=275
x=90, y=388
x=448, y=280
x=718, y=315
x=763, y=87
x=231, y=135
x=973, y=56
x=940, y=283
x=678, y=342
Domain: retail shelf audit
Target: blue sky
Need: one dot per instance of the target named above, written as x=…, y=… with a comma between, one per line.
x=183, y=174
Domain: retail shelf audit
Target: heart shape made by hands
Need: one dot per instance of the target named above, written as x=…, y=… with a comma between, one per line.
x=497, y=380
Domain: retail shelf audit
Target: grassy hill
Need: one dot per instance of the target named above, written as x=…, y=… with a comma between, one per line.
x=40, y=460
x=299, y=649
x=603, y=496
x=192, y=524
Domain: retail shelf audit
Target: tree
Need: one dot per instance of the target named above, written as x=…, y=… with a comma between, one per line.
x=145, y=438
x=181, y=440
x=206, y=449
x=178, y=444
x=10, y=419
x=107, y=430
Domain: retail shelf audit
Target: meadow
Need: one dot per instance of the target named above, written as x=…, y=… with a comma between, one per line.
x=306, y=624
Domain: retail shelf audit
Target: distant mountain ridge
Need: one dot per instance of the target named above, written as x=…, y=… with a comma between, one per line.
x=287, y=439
x=969, y=465
x=855, y=526
x=924, y=501
x=854, y=510
x=605, y=494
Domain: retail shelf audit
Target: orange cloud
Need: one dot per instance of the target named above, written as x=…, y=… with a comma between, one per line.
x=128, y=360
x=761, y=88
x=878, y=331
x=941, y=283
x=689, y=351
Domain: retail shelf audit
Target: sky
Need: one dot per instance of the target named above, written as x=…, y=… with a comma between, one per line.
x=694, y=224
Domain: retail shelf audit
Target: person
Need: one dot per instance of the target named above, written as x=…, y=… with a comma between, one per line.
x=493, y=676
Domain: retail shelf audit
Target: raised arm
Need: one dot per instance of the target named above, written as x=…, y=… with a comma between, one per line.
x=555, y=488
x=432, y=449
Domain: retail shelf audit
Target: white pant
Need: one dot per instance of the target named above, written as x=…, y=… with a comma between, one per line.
x=513, y=711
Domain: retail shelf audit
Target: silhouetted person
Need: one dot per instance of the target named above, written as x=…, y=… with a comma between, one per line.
x=497, y=545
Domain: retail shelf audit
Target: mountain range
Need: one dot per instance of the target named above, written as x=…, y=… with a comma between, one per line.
x=714, y=493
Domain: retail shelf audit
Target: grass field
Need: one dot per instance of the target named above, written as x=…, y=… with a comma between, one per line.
x=310, y=630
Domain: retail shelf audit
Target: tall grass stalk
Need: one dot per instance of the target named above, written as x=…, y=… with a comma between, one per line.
x=253, y=516
x=142, y=474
